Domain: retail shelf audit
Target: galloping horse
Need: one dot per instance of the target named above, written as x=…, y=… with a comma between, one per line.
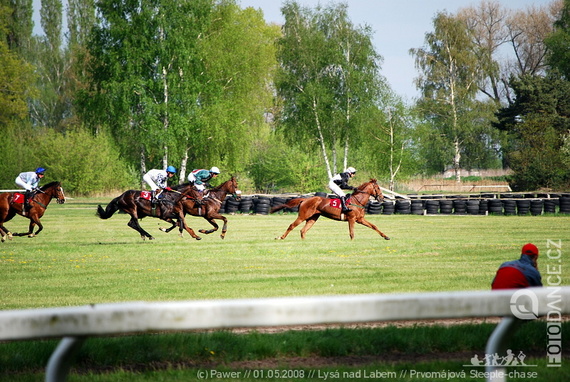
x=312, y=208
x=10, y=206
x=210, y=206
x=138, y=205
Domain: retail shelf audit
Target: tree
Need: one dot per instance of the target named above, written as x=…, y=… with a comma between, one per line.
x=508, y=43
x=537, y=124
x=143, y=74
x=16, y=78
x=450, y=73
x=237, y=56
x=558, y=43
x=19, y=25
x=328, y=78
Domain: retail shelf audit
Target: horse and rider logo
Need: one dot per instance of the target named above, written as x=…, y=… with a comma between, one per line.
x=509, y=359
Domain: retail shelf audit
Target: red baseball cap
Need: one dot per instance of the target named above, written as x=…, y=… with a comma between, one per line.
x=529, y=249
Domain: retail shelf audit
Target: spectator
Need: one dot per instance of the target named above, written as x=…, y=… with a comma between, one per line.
x=521, y=273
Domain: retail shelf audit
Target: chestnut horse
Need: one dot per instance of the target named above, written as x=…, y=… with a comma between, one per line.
x=138, y=205
x=9, y=207
x=310, y=209
x=210, y=206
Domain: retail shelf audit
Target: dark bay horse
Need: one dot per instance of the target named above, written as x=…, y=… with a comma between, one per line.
x=138, y=205
x=311, y=209
x=210, y=206
x=10, y=206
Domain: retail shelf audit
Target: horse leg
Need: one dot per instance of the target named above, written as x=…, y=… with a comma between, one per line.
x=174, y=225
x=309, y=223
x=366, y=223
x=4, y=233
x=30, y=232
x=183, y=224
x=291, y=227
x=134, y=224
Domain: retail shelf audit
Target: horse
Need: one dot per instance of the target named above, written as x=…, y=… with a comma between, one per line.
x=138, y=205
x=310, y=209
x=11, y=203
x=210, y=206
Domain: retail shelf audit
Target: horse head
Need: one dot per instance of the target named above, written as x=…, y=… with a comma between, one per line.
x=54, y=190
x=373, y=189
x=231, y=187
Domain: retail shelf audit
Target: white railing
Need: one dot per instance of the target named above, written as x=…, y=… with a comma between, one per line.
x=74, y=324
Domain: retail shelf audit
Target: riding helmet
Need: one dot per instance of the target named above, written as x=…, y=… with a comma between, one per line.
x=215, y=170
x=40, y=170
x=171, y=169
x=352, y=170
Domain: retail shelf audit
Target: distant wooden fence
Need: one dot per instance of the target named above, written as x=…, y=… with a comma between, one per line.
x=74, y=324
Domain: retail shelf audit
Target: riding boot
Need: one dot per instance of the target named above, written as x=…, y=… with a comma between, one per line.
x=27, y=196
x=343, y=201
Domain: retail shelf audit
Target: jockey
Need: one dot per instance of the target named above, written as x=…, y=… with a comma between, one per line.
x=30, y=181
x=158, y=179
x=200, y=177
x=339, y=182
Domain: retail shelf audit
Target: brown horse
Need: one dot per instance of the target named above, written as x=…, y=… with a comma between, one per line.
x=138, y=205
x=10, y=206
x=311, y=209
x=210, y=206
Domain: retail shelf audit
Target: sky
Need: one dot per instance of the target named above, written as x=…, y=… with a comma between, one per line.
x=397, y=27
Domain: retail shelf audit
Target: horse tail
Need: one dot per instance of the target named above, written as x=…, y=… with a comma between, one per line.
x=290, y=204
x=106, y=213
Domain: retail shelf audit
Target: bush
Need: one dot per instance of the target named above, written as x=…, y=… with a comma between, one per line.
x=85, y=163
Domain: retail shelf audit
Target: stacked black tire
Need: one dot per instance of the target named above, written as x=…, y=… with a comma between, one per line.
x=565, y=204
x=262, y=205
x=512, y=204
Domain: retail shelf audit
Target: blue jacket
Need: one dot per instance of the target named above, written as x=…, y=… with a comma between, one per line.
x=525, y=266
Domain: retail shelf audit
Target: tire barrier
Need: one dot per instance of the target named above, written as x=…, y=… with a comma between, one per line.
x=510, y=205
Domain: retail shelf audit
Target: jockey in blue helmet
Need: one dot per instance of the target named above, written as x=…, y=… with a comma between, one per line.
x=157, y=179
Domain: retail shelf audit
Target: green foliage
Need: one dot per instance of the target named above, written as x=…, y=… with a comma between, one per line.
x=537, y=124
x=457, y=131
x=16, y=77
x=328, y=77
x=558, y=43
x=16, y=153
x=277, y=167
x=92, y=165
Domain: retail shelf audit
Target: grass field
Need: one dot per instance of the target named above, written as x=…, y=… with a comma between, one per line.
x=80, y=259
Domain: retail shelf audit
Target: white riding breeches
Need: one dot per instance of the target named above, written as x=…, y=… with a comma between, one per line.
x=150, y=182
x=336, y=189
x=23, y=184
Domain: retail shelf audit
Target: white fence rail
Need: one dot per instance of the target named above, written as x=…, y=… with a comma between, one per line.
x=74, y=324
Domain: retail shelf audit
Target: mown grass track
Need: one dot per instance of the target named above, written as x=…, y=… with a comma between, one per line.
x=79, y=259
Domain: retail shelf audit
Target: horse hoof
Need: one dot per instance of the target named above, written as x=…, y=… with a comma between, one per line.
x=386, y=238
x=162, y=229
x=198, y=238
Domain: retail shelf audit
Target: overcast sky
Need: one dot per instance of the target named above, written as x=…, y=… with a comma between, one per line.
x=397, y=27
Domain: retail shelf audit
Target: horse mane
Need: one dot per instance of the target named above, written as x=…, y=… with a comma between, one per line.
x=49, y=185
x=179, y=186
x=363, y=185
